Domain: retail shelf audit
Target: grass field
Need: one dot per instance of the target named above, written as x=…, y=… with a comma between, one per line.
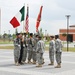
x=6, y=47
x=72, y=49
x=46, y=48
x=5, y=42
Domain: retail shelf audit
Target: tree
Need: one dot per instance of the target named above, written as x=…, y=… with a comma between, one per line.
x=14, y=36
x=16, y=30
x=64, y=34
x=41, y=33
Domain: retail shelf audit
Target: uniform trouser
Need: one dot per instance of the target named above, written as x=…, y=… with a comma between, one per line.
x=51, y=56
x=34, y=56
x=24, y=54
x=30, y=53
x=40, y=58
x=16, y=54
x=21, y=55
x=58, y=57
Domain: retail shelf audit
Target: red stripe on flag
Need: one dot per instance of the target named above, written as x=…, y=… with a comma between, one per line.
x=14, y=22
x=27, y=20
x=38, y=19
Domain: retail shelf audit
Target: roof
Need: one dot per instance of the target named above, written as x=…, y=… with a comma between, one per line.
x=72, y=26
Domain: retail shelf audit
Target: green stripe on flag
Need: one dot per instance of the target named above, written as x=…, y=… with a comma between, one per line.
x=22, y=11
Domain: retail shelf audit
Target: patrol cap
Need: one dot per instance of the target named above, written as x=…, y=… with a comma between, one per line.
x=17, y=34
x=39, y=37
x=52, y=36
x=24, y=33
x=56, y=36
x=31, y=34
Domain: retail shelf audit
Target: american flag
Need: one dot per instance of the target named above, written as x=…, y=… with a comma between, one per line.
x=27, y=20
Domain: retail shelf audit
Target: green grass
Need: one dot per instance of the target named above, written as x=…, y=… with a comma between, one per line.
x=6, y=47
x=6, y=42
x=72, y=49
x=46, y=48
x=47, y=42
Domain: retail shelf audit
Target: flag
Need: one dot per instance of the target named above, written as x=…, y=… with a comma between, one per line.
x=38, y=19
x=0, y=21
x=27, y=20
x=18, y=18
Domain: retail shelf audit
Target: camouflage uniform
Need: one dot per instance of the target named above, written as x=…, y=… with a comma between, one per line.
x=51, y=51
x=17, y=48
x=40, y=50
x=58, y=47
x=30, y=46
x=34, y=50
x=21, y=50
x=24, y=50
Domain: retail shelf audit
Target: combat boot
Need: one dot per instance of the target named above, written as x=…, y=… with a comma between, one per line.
x=34, y=62
x=39, y=65
x=43, y=61
x=24, y=62
x=17, y=64
x=52, y=63
x=58, y=66
x=29, y=62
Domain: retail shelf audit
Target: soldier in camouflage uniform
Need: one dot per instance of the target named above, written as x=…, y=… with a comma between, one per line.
x=51, y=50
x=34, y=49
x=30, y=47
x=40, y=50
x=21, y=50
x=17, y=48
x=24, y=48
x=58, y=48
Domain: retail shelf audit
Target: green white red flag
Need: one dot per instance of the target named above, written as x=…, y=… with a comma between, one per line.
x=18, y=18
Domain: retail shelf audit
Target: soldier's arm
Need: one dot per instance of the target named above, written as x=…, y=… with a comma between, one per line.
x=38, y=47
x=50, y=45
x=15, y=43
x=57, y=45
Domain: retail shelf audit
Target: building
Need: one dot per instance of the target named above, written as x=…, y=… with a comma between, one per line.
x=71, y=34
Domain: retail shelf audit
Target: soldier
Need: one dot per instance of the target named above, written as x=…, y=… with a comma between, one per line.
x=17, y=48
x=40, y=50
x=30, y=46
x=51, y=50
x=34, y=49
x=24, y=49
x=21, y=50
x=58, y=48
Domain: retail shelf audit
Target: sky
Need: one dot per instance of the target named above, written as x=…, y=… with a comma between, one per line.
x=53, y=14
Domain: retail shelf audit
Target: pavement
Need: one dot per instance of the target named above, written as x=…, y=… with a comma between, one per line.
x=6, y=44
x=7, y=66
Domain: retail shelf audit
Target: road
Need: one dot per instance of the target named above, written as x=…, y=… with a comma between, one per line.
x=7, y=66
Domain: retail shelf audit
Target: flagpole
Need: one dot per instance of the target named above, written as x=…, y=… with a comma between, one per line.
x=27, y=20
x=28, y=14
x=23, y=26
x=0, y=21
x=24, y=20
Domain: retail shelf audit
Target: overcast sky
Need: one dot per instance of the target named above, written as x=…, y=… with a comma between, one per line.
x=53, y=14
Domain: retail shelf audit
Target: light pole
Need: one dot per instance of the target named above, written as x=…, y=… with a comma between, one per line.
x=4, y=36
x=45, y=32
x=67, y=31
x=9, y=35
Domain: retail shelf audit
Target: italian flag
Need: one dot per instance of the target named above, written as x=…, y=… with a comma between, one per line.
x=18, y=18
